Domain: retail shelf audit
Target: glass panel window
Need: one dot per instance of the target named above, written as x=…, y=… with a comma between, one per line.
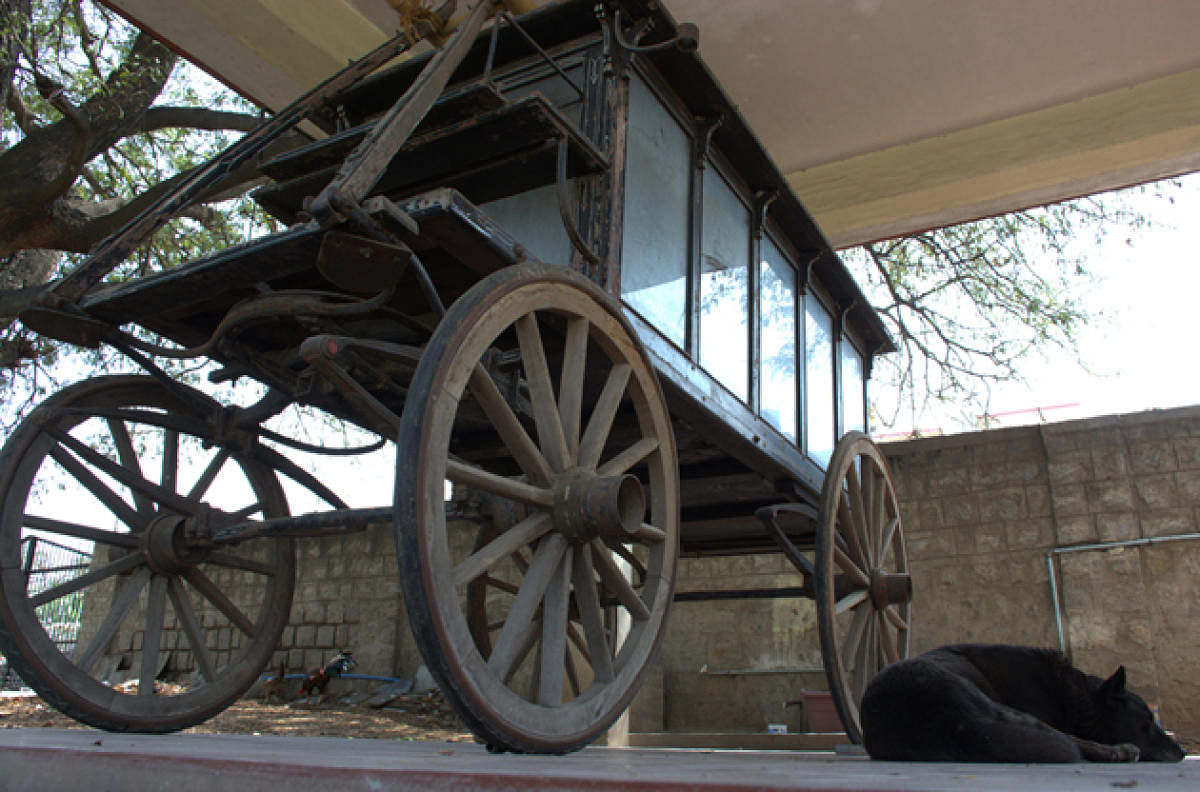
x=724, y=286
x=852, y=389
x=777, y=319
x=654, y=245
x=533, y=220
x=820, y=416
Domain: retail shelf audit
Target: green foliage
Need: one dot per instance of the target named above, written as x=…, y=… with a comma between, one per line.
x=77, y=56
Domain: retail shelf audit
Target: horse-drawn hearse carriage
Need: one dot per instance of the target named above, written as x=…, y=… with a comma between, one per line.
x=552, y=263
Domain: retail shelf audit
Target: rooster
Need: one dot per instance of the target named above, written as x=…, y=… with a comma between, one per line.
x=316, y=679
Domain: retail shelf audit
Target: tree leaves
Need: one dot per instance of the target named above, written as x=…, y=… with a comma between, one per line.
x=967, y=304
x=99, y=119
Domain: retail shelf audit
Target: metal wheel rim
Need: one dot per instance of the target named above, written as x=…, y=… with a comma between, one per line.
x=59, y=679
x=861, y=630
x=500, y=715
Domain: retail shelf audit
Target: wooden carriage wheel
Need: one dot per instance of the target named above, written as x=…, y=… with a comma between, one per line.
x=539, y=363
x=863, y=585
x=171, y=635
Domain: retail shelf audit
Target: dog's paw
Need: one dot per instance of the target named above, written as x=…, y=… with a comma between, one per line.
x=1126, y=752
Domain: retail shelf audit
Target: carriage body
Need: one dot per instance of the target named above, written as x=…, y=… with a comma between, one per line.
x=579, y=288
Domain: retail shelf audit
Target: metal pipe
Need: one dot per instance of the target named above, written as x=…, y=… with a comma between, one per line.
x=1054, y=593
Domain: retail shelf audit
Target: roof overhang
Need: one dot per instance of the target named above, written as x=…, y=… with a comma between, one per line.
x=887, y=117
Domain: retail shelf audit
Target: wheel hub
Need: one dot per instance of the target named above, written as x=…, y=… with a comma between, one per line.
x=887, y=588
x=587, y=506
x=166, y=547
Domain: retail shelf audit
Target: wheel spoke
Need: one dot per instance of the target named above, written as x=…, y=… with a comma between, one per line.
x=91, y=577
x=864, y=660
x=204, y=584
x=554, y=633
x=851, y=600
x=170, y=461
x=616, y=582
x=505, y=422
x=231, y=561
x=241, y=513
x=503, y=585
x=603, y=414
x=541, y=391
x=878, y=526
x=200, y=488
x=857, y=527
x=572, y=633
x=625, y=460
x=191, y=628
x=570, y=389
x=846, y=525
x=507, y=543
x=478, y=478
x=648, y=534
x=851, y=570
x=137, y=484
x=128, y=457
x=887, y=641
x=98, y=535
x=528, y=640
x=590, y=616
x=111, y=500
x=892, y=614
x=155, y=606
x=520, y=617
x=120, y=608
x=630, y=559
x=573, y=676
x=887, y=535
x=854, y=638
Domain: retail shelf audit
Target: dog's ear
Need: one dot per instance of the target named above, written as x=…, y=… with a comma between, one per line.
x=1114, y=684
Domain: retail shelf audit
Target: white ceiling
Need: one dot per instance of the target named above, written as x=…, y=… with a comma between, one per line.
x=887, y=115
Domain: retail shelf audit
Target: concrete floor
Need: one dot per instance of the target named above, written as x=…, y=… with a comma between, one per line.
x=85, y=761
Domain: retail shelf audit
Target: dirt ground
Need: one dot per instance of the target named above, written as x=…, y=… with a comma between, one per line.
x=414, y=717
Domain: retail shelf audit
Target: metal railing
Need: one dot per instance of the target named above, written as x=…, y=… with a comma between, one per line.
x=47, y=564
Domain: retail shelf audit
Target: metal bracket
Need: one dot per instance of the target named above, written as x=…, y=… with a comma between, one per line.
x=686, y=38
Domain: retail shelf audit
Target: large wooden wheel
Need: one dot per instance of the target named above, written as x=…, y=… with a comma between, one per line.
x=863, y=585
x=171, y=635
x=535, y=396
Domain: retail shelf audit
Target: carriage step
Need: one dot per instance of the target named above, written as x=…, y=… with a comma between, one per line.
x=498, y=153
x=455, y=106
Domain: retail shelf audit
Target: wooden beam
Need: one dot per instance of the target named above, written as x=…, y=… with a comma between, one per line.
x=1147, y=131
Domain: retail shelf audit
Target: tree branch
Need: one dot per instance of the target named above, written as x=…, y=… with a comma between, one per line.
x=81, y=131
x=165, y=117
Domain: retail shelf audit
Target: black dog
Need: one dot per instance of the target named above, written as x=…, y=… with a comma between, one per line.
x=996, y=703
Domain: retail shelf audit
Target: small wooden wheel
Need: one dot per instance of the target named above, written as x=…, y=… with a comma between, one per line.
x=535, y=397
x=863, y=586
x=171, y=634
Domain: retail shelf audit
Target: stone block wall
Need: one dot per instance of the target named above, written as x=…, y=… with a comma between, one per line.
x=348, y=597
x=733, y=665
x=987, y=516
x=1103, y=511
